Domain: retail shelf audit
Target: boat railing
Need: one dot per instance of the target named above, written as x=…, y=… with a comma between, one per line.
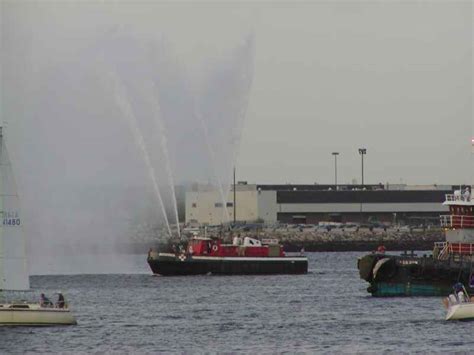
x=457, y=221
x=461, y=248
x=458, y=197
x=442, y=250
x=447, y=248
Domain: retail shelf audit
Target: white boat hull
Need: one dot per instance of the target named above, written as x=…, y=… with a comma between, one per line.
x=34, y=315
x=460, y=311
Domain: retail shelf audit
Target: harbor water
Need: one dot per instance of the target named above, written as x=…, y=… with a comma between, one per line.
x=327, y=310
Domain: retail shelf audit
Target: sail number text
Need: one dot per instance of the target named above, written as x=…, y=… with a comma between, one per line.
x=11, y=219
x=11, y=222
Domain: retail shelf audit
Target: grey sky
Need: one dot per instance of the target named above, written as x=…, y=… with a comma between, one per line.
x=393, y=77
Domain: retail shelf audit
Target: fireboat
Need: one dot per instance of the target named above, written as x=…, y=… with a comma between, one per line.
x=204, y=255
x=452, y=261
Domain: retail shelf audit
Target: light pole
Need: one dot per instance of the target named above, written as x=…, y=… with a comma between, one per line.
x=362, y=152
x=235, y=208
x=335, y=168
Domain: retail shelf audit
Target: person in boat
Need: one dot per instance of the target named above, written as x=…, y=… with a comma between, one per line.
x=45, y=301
x=61, y=302
x=453, y=297
x=381, y=249
x=459, y=292
x=467, y=194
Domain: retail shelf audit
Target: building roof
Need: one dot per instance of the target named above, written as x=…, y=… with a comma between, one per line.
x=316, y=187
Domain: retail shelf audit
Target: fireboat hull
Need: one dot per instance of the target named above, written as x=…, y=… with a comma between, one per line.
x=171, y=265
x=393, y=276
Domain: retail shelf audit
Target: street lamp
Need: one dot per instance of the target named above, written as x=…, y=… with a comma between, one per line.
x=362, y=152
x=335, y=168
x=235, y=208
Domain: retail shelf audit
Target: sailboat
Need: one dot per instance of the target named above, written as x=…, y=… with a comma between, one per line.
x=459, y=305
x=13, y=262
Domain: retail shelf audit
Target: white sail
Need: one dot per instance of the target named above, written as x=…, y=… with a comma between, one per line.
x=13, y=266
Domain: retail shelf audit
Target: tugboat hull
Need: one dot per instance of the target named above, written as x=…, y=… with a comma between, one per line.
x=171, y=265
x=408, y=289
x=391, y=275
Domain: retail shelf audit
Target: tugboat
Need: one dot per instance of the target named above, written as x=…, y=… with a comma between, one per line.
x=452, y=261
x=249, y=256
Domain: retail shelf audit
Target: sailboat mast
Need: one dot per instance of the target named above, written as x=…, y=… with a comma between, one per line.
x=2, y=248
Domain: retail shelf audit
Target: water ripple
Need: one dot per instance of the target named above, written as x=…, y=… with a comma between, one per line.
x=325, y=311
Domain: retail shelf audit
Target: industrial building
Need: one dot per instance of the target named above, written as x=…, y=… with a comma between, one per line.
x=204, y=204
x=300, y=204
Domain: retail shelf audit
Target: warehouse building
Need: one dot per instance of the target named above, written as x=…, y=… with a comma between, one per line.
x=204, y=204
x=312, y=204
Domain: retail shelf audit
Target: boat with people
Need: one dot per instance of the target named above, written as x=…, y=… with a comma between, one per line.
x=16, y=308
x=247, y=256
x=459, y=305
x=429, y=275
x=21, y=312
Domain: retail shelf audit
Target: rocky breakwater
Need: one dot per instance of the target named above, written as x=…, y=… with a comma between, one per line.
x=396, y=239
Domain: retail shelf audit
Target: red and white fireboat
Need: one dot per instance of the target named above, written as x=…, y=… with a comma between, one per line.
x=249, y=256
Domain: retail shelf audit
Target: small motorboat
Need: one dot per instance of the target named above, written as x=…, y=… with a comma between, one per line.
x=459, y=305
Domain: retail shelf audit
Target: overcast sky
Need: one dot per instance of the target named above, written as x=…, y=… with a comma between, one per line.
x=393, y=77
x=88, y=89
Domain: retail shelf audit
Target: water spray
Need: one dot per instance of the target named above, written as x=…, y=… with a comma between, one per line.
x=164, y=146
x=123, y=103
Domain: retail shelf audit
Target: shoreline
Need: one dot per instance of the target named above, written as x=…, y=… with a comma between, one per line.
x=367, y=246
x=332, y=241
x=364, y=240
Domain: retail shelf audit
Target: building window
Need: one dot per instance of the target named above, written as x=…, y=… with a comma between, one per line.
x=194, y=205
x=218, y=204
x=230, y=204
